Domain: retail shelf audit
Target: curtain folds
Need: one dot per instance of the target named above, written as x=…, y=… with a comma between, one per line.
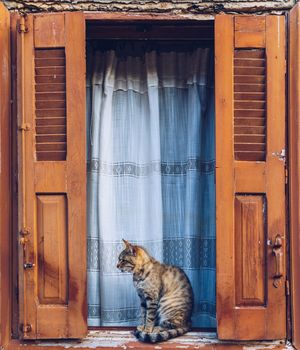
x=150, y=122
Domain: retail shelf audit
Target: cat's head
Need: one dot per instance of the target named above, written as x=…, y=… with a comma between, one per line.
x=128, y=257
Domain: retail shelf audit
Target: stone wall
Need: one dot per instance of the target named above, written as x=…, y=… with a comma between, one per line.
x=182, y=7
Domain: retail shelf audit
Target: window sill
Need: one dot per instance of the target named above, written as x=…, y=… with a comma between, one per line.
x=111, y=340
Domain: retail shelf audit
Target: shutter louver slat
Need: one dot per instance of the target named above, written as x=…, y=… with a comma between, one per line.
x=249, y=62
x=46, y=53
x=50, y=121
x=51, y=138
x=249, y=79
x=249, y=104
x=49, y=62
x=249, y=87
x=50, y=87
x=52, y=79
x=50, y=97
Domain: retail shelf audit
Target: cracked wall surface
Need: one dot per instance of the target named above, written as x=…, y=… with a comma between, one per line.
x=182, y=7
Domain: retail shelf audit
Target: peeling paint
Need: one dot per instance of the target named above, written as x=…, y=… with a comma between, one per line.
x=182, y=7
x=95, y=339
x=125, y=340
x=264, y=347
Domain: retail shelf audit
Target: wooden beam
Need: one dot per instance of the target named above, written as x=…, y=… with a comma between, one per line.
x=126, y=17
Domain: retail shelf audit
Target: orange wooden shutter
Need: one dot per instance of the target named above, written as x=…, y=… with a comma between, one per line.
x=52, y=186
x=250, y=176
x=294, y=163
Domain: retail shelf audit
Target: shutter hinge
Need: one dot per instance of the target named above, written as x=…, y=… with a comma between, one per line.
x=24, y=126
x=22, y=25
x=286, y=173
x=26, y=328
x=23, y=233
x=287, y=287
x=285, y=67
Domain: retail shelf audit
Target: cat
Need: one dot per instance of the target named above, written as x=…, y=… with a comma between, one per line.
x=165, y=293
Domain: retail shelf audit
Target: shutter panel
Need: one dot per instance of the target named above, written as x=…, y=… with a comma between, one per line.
x=52, y=250
x=250, y=176
x=294, y=162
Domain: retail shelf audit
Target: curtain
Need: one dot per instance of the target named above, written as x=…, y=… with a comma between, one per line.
x=151, y=149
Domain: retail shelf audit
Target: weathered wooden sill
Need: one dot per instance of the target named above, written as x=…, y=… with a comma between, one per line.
x=105, y=340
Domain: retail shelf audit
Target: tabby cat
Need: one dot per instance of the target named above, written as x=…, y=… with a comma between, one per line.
x=165, y=292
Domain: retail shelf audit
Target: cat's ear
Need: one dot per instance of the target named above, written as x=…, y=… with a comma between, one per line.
x=127, y=244
x=132, y=248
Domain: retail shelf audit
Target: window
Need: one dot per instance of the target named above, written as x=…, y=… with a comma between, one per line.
x=250, y=192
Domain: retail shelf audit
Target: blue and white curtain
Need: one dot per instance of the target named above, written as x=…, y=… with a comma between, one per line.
x=151, y=149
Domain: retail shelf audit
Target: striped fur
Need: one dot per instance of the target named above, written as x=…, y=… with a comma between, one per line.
x=165, y=293
x=162, y=335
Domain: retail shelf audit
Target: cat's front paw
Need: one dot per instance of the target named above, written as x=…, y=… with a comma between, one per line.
x=148, y=329
x=157, y=329
x=140, y=328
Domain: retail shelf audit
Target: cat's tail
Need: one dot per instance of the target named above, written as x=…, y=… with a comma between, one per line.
x=162, y=335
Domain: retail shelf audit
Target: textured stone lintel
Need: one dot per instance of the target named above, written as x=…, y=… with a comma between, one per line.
x=182, y=7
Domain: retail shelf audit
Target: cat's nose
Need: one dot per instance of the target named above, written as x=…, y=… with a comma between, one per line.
x=118, y=265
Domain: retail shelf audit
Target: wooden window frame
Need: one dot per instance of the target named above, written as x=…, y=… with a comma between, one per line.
x=294, y=167
x=8, y=160
x=5, y=180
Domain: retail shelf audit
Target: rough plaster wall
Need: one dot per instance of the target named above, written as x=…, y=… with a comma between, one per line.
x=182, y=7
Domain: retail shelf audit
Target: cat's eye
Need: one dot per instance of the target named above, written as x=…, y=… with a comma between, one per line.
x=126, y=262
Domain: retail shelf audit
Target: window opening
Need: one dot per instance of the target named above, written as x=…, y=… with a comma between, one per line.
x=151, y=163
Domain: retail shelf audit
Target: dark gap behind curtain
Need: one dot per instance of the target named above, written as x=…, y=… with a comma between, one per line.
x=180, y=168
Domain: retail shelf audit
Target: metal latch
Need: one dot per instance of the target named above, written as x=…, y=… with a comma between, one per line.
x=281, y=155
x=24, y=240
x=287, y=287
x=22, y=26
x=279, y=263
